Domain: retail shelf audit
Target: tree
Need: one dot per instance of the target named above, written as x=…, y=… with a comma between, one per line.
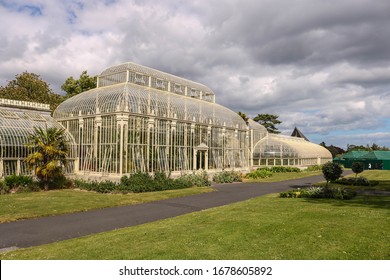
x=376, y=147
x=331, y=171
x=244, y=117
x=334, y=150
x=49, y=158
x=373, y=147
x=357, y=167
x=269, y=122
x=73, y=87
x=30, y=87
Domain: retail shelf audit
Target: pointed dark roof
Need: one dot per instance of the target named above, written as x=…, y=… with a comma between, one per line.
x=297, y=133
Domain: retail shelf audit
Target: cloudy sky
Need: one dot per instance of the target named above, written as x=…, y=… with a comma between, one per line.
x=321, y=65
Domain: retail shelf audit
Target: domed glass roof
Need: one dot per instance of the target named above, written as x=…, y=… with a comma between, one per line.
x=137, y=99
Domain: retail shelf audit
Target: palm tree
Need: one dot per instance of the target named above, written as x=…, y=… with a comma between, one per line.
x=51, y=150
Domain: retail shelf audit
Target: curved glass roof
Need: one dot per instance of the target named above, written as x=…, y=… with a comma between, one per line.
x=17, y=125
x=259, y=131
x=256, y=126
x=136, y=99
x=148, y=77
x=287, y=146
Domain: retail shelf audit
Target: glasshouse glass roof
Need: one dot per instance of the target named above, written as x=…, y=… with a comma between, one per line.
x=18, y=119
x=291, y=145
x=136, y=99
x=145, y=76
x=256, y=126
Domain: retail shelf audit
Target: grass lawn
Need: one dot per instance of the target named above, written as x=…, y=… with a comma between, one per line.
x=382, y=176
x=266, y=227
x=36, y=204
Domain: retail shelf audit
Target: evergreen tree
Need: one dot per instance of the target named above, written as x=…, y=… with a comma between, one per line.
x=244, y=117
x=269, y=122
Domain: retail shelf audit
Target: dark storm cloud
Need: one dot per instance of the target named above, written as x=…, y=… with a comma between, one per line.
x=306, y=32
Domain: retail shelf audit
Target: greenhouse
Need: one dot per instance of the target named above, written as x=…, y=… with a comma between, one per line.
x=370, y=159
x=17, y=122
x=287, y=150
x=142, y=120
x=139, y=119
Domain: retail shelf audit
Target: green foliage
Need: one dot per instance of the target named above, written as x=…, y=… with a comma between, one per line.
x=137, y=183
x=282, y=169
x=196, y=179
x=101, y=187
x=143, y=182
x=319, y=192
x=227, y=177
x=357, y=167
x=313, y=168
x=4, y=189
x=14, y=181
x=331, y=171
x=20, y=183
x=373, y=147
x=51, y=150
x=269, y=122
x=334, y=150
x=244, y=117
x=259, y=173
x=266, y=172
x=30, y=87
x=60, y=182
x=357, y=181
x=73, y=87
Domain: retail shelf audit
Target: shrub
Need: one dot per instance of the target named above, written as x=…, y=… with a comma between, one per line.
x=284, y=169
x=313, y=168
x=357, y=167
x=162, y=182
x=320, y=192
x=291, y=194
x=312, y=192
x=196, y=179
x=59, y=182
x=227, y=177
x=101, y=187
x=137, y=182
x=143, y=182
x=21, y=183
x=4, y=189
x=359, y=181
x=259, y=173
x=14, y=181
x=331, y=171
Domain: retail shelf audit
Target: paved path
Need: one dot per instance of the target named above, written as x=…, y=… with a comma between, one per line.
x=44, y=230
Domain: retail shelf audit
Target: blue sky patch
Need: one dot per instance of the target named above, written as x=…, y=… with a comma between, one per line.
x=32, y=10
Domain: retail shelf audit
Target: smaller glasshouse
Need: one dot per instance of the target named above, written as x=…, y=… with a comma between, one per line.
x=288, y=150
x=17, y=122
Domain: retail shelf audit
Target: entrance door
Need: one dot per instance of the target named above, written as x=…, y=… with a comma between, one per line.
x=201, y=160
x=201, y=157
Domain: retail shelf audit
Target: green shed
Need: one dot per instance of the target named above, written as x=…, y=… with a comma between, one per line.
x=371, y=160
x=378, y=160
